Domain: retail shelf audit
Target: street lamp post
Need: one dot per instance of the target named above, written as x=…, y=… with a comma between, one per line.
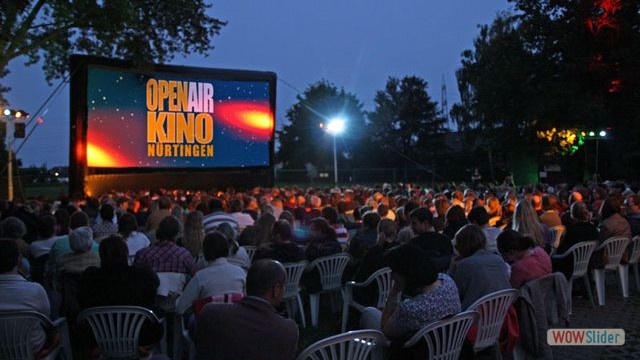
x=335, y=127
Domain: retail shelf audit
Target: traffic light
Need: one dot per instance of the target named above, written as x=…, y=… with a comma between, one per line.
x=19, y=131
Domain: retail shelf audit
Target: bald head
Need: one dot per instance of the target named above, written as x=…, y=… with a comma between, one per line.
x=265, y=275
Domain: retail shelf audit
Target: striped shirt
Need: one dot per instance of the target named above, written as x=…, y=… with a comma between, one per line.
x=213, y=220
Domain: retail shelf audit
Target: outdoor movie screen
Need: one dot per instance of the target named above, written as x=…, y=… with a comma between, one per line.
x=175, y=120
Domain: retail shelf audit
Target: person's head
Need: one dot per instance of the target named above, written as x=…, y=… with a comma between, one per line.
x=549, y=202
x=610, y=206
x=370, y=219
x=632, y=204
x=494, y=208
x=421, y=220
x=411, y=268
x=216, y=205
x=127, y=224
x=215, y=246
x=106, y=213
x=469, y=239
x=320, y=228
x=62, y=221
x=479, y=216
x=113, y=252
x=282, y=231
x=526, y=222
x=46, y=226
x=442, y=205
x=81, y=239
x=288, y=216
x=78, y=219
x=236, y=205
x=580, y=212
x=455, y=215
x=576, y=196
x=513, y=245
x=387, y=231
x=12, y=228
x=315, y=202
x=330, y=214
x=266, y=279
x=164, y=203
x=168, y=229
x=9, y=256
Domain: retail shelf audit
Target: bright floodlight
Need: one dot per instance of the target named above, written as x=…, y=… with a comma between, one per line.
x=591, y=133
x=335, y=126
x=7, y=112
x=603, y=133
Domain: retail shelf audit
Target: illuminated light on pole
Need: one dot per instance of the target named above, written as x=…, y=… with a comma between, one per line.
x=7, y=112
x=592, y=133
x=602, y=133
x=335, y=127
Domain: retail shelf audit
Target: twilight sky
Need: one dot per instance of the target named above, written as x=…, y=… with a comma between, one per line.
x=356, y=44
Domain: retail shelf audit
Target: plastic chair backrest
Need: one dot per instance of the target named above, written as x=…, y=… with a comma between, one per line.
x=331, y=268
x=251, y=250
x=635, y=252
x=492, y=309
x=294, y=273
x=117, y=329
x=171, y=283
x=385, y=281
x=616, y=247
x=15, y=333
x=445, y=337
x=581, y=253
x=352, y=345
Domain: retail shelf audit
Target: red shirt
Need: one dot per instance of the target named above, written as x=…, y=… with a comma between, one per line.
x=530, y=267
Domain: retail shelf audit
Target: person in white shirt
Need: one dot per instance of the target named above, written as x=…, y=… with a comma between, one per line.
x=219, y=277
x=46, y=232
x=244, y=220
x=18, y=294
x=128, y=229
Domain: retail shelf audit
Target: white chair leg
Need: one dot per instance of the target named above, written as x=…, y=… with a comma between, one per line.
x=598, y=277
x=314, y=304
x=623, y=275
x=587, y=284
x=301, y=309
x=289, y=307
x=345, y=309
x=637, y=276
x=63, y=330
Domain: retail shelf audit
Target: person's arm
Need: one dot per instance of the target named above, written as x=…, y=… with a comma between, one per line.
x=189, y=295
x=387, y=321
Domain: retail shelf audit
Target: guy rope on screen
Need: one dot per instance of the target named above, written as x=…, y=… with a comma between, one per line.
x=179, y=118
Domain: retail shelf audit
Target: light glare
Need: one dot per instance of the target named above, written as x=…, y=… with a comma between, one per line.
x=335, y=126
x=603, y=133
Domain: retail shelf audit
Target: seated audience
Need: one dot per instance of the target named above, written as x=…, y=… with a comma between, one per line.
x=237, y=254
x=436, y=246
x=476, y=271
x=81, y=257
x=165, y=255
x=18, y=294
x=217, y=278
x=527, y=222
x=283, y=248
x=454, y=220
x=62, y=245
x=250, y=328
x=550, y=216
x=366, y=236
x=528, y=260
x=107, y=226
x=235, y=208
x=479, y=216
x=331, y=215
x=419, y=296
x=632, y=210
x=217, y=216
x=128, y=229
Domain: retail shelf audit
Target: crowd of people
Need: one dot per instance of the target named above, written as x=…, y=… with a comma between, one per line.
x=446, y=248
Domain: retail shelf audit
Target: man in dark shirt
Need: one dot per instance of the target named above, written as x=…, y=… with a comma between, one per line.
x=251, y=328
x=437, y=246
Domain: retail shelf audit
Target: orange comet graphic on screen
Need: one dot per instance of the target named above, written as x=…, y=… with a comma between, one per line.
x=247, y=120
x=97, y=157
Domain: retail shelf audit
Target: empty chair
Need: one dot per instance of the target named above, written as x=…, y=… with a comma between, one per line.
x=15, y=335
x=634, y=259
x=492, y=309
x=354, y=345
x=251, y=250
x=384, y=281
x=291, y=295
x=117, y=329
x=614, y=249
x=445, y=338
x=581, y=253
x=330, y=268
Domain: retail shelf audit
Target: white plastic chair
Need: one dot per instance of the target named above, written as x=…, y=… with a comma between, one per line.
x=492, y=309
x=384, y=281
x=614, y=249
x=558, y=232
x=445, y=337
x=354, y=345
x=634, y=260
x=251, y=251
x=117, y=329
x=291, y=295
x=581, y=253
x=331, y=268
x=15, y=335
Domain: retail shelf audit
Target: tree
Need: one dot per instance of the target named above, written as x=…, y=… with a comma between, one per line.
x=138, y=30
x=406, y=122
x=303, y=140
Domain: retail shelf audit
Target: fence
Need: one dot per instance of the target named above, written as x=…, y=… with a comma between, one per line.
x=360, y=176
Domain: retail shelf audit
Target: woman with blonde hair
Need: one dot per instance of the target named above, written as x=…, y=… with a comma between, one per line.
x=193, y=233
x=525, y=221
